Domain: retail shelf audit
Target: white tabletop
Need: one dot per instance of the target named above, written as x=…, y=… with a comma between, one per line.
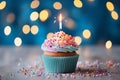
x=13, y=58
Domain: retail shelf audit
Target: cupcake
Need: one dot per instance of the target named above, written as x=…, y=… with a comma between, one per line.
x=60, y=53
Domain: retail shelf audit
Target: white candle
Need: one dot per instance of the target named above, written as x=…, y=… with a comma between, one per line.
x=60, y=21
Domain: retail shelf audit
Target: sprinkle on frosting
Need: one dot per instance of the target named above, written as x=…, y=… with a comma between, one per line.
x=60, y=42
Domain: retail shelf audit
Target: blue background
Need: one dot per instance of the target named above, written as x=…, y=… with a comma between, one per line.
x=93, y=16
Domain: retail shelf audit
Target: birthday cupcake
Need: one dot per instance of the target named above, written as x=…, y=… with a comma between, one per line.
x=60, y=53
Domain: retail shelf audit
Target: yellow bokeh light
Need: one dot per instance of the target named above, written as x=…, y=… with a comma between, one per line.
x=57, y=5
x=69, y=23
x=91, y=0
x=44, y=14
x=114, y=15
x=2, y=5
x=26, y=29
x=18, y=41
x=76, y=0
x=49, y=35
x=86, y=34
x=78, y=3
x=7, y=30
x=34, y=29
x=35, y=4
x=10, y=17
x=34, y=16
x=110, y=6
x=108, y=44
x=78, y=40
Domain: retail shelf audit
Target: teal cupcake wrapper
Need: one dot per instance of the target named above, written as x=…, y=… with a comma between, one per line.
x=60, y=64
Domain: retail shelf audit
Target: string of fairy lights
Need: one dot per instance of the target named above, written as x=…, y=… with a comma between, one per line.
x=44, y=14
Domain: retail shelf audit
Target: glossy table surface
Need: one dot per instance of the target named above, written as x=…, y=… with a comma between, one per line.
x=12, y=58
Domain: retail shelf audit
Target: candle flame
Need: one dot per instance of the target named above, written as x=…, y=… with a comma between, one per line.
x=60, y=17
x=60, y=21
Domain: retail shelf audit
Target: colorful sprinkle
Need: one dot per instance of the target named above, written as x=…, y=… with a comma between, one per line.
x=84, y=69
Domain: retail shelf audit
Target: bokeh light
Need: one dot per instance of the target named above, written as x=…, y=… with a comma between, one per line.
x=114, y=15
x=34, y=29
x=34, y=16
x=26, y=29
x=77, y=20
x=91, y=0
x=10, y=18
x=69, y=23
x=110, y=6
x=78, y=40
x=49, y=35
x=86, y=34
x=108, y=44
x=7, y=30
x=57, y=5
x=2, y=5
x=44, y=14
x=78, y=3
x=18, y=41
x=35, y=4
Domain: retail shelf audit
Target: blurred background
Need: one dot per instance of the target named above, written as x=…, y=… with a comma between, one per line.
x=29, y=22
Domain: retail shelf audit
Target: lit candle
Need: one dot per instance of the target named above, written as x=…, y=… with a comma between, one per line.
x=60, y=21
